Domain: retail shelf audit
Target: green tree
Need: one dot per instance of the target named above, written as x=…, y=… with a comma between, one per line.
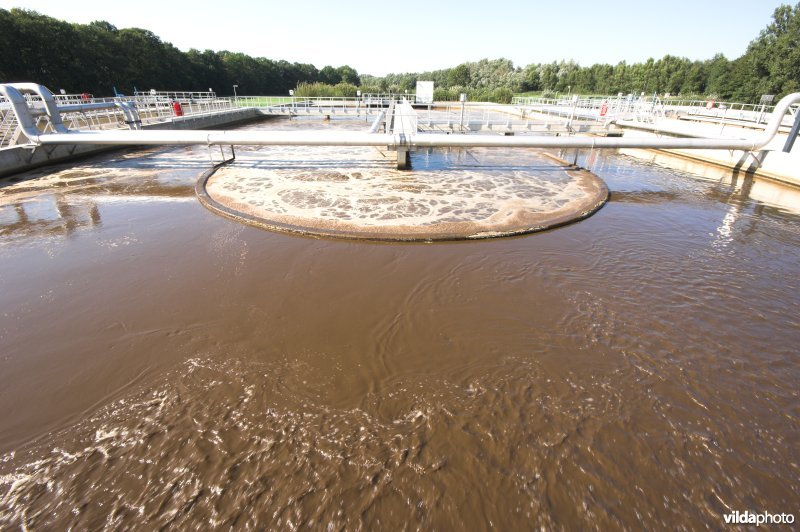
x=329, y=75
x=718, y=78
x=774, y=57
x=348, y=74
x=459, y=75
x=695, y=80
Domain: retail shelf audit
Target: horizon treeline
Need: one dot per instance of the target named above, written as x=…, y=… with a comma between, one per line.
x=770, y=65
x=98, y=57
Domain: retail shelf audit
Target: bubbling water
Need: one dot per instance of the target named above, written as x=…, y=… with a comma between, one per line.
x=355, y=193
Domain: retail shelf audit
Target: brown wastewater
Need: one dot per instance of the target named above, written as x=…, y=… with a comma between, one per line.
x=164, y=366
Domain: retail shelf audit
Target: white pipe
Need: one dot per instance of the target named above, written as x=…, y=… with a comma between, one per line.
x=349, y=138
x=376, y=124
x=78, y=107
x=13, y=92
x=24, y=118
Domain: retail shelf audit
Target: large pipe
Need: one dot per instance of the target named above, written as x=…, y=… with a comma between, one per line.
x=351, y=138
x=82, y=107
x=24, y=118
x=14, y=94
x=75, y=108
x=376, y=124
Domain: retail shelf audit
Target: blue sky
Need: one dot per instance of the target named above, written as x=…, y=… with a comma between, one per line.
x=424, y=35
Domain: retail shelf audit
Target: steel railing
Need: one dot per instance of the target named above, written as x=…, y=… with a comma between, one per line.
x=402, y=138
x=76, y=115
x=369, y=103
x=176, y=95
x=649, y=109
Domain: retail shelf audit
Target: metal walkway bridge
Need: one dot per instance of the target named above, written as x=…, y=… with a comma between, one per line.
x=396, y=127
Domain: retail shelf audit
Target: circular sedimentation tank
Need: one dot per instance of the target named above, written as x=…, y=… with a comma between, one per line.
x=356, y=193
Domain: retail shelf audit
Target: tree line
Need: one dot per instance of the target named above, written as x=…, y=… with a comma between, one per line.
x=99, y=57
x=96, y=57
x=770, y=65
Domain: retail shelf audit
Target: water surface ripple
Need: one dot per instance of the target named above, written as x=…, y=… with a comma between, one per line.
x=163, y=366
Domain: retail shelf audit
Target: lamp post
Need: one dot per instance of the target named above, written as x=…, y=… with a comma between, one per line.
x=234, y=92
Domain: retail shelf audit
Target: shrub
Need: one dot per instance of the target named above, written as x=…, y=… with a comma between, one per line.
x=323, y=90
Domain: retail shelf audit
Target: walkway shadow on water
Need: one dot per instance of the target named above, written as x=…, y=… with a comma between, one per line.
x=320, y=164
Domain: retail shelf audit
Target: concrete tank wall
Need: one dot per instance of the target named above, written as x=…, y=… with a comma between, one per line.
x=770, y=162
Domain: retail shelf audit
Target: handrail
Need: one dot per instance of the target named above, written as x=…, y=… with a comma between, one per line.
x=339, y=138
x=647, y=108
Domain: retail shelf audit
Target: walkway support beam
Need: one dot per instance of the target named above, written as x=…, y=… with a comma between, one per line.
x=793, y=133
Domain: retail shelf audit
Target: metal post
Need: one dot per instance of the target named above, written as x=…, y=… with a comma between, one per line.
x=765, y=99
x=463, y=98
x=572, y=113
x=793, y=133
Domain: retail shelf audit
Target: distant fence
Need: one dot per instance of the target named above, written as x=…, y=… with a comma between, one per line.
x=648, y=109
